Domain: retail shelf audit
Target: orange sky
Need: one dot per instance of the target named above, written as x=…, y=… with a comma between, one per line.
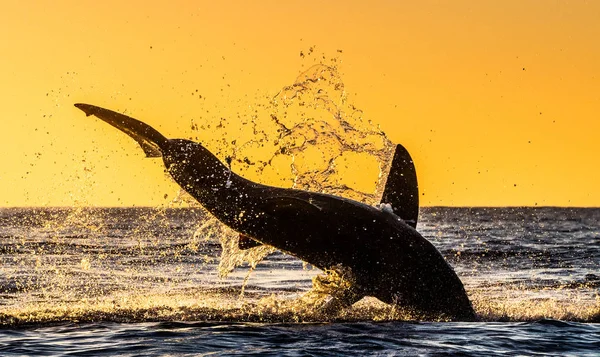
x=497, y=101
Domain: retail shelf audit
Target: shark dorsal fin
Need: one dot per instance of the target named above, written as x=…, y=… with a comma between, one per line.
x=401, y=188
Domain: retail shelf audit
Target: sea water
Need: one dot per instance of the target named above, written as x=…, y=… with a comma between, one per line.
x=146, y=281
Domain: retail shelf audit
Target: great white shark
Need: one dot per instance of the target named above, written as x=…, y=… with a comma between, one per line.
x=386, y=256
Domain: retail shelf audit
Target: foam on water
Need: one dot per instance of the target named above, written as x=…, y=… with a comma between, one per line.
x=210, y=305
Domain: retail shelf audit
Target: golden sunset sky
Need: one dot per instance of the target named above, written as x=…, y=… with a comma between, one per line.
x=497, y=101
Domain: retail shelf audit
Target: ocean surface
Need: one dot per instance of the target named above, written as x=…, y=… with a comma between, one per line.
x=158, y=282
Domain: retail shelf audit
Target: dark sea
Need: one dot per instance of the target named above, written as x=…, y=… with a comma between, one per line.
x=169, y=282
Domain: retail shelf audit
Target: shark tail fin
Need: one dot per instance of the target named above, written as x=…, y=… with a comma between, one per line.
x=150, y=140
x=401, y=188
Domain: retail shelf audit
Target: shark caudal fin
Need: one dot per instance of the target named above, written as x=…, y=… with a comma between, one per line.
x=401, y=188
x=150, y=140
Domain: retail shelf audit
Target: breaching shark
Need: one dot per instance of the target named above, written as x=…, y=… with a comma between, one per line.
x=388, y=259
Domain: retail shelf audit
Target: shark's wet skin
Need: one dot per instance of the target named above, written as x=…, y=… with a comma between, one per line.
x=387, y=257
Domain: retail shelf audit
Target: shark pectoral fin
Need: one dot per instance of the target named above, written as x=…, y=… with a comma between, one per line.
x=245, y=242
x=292, y=206
x=401, y=188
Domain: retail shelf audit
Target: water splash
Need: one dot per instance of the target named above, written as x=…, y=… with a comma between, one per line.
x=307, y=136
x=224, y=305
x=316, y=120
x=313, y=138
